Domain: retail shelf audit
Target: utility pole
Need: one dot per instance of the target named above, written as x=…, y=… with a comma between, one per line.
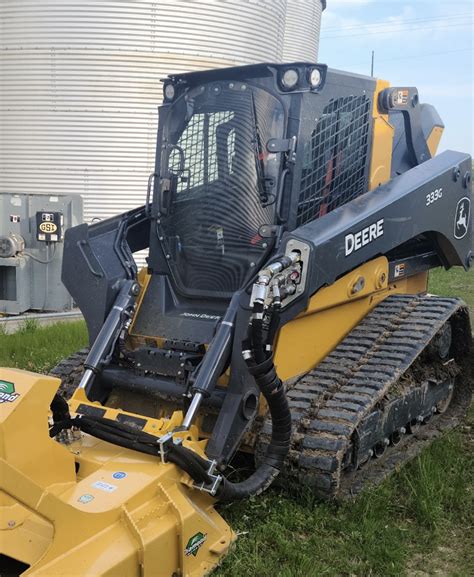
x=372, y=66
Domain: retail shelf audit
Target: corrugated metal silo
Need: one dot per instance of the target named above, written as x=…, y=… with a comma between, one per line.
x=302, y=27
x=80, y=83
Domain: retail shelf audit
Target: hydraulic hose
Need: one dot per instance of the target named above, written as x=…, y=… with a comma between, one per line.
x=256, y=335
x=129, y=438
x=259, y=360
x=274, y=324
x=273, y=390
x=59, y=409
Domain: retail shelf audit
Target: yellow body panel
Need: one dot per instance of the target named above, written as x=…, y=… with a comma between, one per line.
x=143, y=279
x=91, y=523
x=382, y=142
x=433, y=139
x=333, y=312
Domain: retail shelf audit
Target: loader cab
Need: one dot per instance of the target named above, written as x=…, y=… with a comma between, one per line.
x=216, y=191
x=244, y=154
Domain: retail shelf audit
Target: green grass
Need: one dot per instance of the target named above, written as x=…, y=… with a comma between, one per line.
x=454, y=282
x=417, y=523
x=395, y=529
x=39, y=349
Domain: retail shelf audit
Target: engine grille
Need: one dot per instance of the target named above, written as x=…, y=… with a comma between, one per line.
x=335, y=158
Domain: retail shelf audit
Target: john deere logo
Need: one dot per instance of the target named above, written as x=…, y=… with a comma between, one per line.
x=461, y=220
x=7, y=392
x=194, y=544
x=48, y=227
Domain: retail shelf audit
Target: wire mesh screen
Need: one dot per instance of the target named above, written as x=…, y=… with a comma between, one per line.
x=335, y=158
x=199, y=144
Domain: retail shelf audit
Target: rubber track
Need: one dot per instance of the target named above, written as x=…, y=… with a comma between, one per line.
x=70, y=371
x=329, y=402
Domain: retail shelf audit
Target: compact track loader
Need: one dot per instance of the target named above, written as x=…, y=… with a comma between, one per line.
x=291, y=221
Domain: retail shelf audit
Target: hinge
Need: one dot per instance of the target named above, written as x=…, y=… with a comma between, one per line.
x=283, y=145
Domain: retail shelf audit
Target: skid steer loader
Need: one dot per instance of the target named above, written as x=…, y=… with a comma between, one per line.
x=291, y=221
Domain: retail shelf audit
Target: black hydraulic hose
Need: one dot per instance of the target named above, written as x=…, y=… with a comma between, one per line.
x=256, y=334
x=107, y=435
x=190, y=455
x=190, y=467
x=129, y=438
x=273, y=390
x=88, y=425
x=184, y=458
x=274, y=324
x=124, y=431
x=59, y=408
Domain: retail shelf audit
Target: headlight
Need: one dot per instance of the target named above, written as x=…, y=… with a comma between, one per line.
x=169, y=91
x=289, y=78
x=314, y=78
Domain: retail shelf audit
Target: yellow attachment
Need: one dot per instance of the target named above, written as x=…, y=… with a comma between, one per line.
x=122, y=514
x=382, y=142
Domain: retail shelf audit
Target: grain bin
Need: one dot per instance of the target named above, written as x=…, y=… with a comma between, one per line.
x=80, y=83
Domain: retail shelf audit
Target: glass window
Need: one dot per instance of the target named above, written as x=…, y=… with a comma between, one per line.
x=217, y=138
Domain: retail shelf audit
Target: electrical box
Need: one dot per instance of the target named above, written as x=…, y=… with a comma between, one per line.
x=32, y=230
x=49, y=226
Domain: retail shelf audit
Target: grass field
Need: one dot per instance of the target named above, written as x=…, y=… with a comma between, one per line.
x=419, y=522
x=454, y=282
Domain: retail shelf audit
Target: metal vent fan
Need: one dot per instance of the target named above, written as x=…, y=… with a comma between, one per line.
x=11, y=245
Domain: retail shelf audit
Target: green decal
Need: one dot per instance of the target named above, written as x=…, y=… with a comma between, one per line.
x=7, y=392
x=194, y=544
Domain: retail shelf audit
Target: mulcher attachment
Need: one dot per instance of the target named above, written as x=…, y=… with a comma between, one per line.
x=85, y=507
x=373, y=403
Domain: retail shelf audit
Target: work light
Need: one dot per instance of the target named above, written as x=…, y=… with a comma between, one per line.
x=169, y=91
x=314, y=77
x=289, y=78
